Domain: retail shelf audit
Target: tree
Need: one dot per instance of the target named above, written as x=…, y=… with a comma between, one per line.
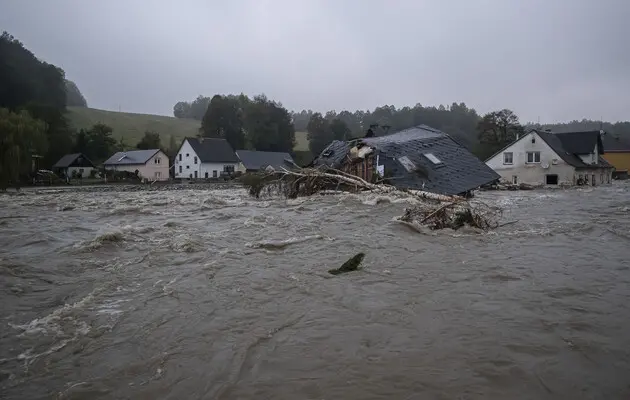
x=340, y=130
x=319, y=133
x=21, y=137
x=195, y=109
x=150, y=140
x=172, y=147
x=269, y=126
x=497, y=129
x=74, y=98
x=224, y=119
x=181, y=110
x=99, y=143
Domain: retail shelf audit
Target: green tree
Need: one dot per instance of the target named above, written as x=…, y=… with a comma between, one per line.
x=74, y=98
x=101, y=144
x=150, y=140
x=21, y=137
x=497, y=129
x=224, y=119
x=319, y=134
x=269, y=126
x=340, y=130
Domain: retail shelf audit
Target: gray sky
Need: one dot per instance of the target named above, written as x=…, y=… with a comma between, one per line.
x=554, y=59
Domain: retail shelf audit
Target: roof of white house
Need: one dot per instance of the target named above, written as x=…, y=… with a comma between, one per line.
x=69, y=159
x=133, y=157
x=213, y=150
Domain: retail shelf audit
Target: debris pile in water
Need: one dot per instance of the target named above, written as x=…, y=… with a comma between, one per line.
x=349, y=266
x=453, y=215
x=433, y=210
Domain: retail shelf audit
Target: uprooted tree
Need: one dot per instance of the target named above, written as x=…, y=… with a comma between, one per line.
x=434, y=211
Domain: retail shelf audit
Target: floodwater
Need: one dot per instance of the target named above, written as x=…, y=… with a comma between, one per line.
x=213, y=295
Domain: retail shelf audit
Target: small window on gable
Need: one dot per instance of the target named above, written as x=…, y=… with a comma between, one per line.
x=433, y=158
x=195, y=159
x=187, y=155
x=180, y=156
x=508, y=157
x=533, y=139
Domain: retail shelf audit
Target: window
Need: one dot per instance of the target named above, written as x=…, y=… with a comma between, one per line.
x=228, y=168
x=187, y=155
x=188, y=167
x=432, y=158
x=508, y=158
x=157, y=160
x=180, y=156
x=601, y=178
x=533, y=157
x=195, y=174
x=407, y=163
x=551, y=179
x=158, y=175
x=515, y=179
x=214, y=174
x=533, y=139
x=206, y=174
x=180, y=169
x=195, y=159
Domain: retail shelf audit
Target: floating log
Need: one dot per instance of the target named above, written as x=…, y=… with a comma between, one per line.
x=349, y=266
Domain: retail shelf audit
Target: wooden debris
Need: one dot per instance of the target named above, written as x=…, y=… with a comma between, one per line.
x=453, y=215
x=349, y=266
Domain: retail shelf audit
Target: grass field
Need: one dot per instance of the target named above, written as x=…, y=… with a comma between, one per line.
x=131, y=127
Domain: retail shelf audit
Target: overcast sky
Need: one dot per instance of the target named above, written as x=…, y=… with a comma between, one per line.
x=556, y=60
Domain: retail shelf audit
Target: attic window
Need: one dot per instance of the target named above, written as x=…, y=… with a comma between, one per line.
x=328, y=153
x=433, y=158
x=407, y=163
x=533, y=139
x=122, y=158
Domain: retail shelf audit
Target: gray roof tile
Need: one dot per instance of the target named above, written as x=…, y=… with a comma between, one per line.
x=256, y=160
x=213, y=150
x=133, y=157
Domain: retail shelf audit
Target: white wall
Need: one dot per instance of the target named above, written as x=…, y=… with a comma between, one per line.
x=84, y=174
x=532, y=173
x=188, y=166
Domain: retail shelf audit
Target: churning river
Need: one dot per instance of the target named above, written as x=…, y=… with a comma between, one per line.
x=209, y=294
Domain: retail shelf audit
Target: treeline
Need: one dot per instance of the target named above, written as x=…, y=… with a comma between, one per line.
x=257, y=124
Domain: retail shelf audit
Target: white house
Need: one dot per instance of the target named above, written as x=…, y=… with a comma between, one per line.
x=74, y=165
x=205, y=158
x=152, y=165
x=545, y=158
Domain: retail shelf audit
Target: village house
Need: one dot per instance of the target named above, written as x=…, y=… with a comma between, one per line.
x=544, y=158
x=617, y=153
x=205, y=158
x=420, y=158
x=150, y=165
x=74, y=165
x=254, y=161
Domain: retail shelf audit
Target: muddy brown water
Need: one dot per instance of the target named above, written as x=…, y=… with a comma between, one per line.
x=212, y=295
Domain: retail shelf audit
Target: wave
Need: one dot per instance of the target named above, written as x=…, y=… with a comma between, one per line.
x=281, y=244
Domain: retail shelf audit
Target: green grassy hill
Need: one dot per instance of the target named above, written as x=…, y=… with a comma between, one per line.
x=131, y=127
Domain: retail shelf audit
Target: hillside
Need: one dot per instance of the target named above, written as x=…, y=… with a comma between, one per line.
x=131, y=127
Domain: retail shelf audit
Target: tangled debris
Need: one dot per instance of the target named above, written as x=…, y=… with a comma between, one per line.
x=433, y=210
x=349, y=266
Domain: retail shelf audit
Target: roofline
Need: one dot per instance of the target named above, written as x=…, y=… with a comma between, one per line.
x=616, y=151
x=514, y=142
x=144, y=163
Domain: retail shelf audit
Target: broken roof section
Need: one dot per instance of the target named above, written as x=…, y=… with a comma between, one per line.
x=416, y=158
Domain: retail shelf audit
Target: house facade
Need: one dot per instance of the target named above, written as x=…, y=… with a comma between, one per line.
x=150, y=165
x=617, y=153
x=74, y=165
x=202, y=158
x=254, y=161
x=420, y=158
x=545, y=158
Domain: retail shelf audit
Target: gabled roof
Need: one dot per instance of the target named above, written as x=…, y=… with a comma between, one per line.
x=213, y=150
x=261, y=159
x=420, y=158
x=133, y=157
x=581, y=142
x=614, y=143
x=68, y=159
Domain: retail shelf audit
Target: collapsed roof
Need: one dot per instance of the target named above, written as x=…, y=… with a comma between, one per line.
x=420, y=158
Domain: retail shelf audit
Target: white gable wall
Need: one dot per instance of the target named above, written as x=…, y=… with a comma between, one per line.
x=532, y=173
x=188, y=167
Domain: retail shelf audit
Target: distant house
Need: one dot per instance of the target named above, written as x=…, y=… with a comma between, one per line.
x=545, y=158
x=72, y=165
x=420, y=158
x=617, y=153
x=252, y=161
x=205, y=158
x=150, y=164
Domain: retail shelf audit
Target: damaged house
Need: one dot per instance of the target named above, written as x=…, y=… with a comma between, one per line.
x=420, y=158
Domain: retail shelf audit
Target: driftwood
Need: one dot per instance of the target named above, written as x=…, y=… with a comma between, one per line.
x=349, y=266
x=434, y=211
